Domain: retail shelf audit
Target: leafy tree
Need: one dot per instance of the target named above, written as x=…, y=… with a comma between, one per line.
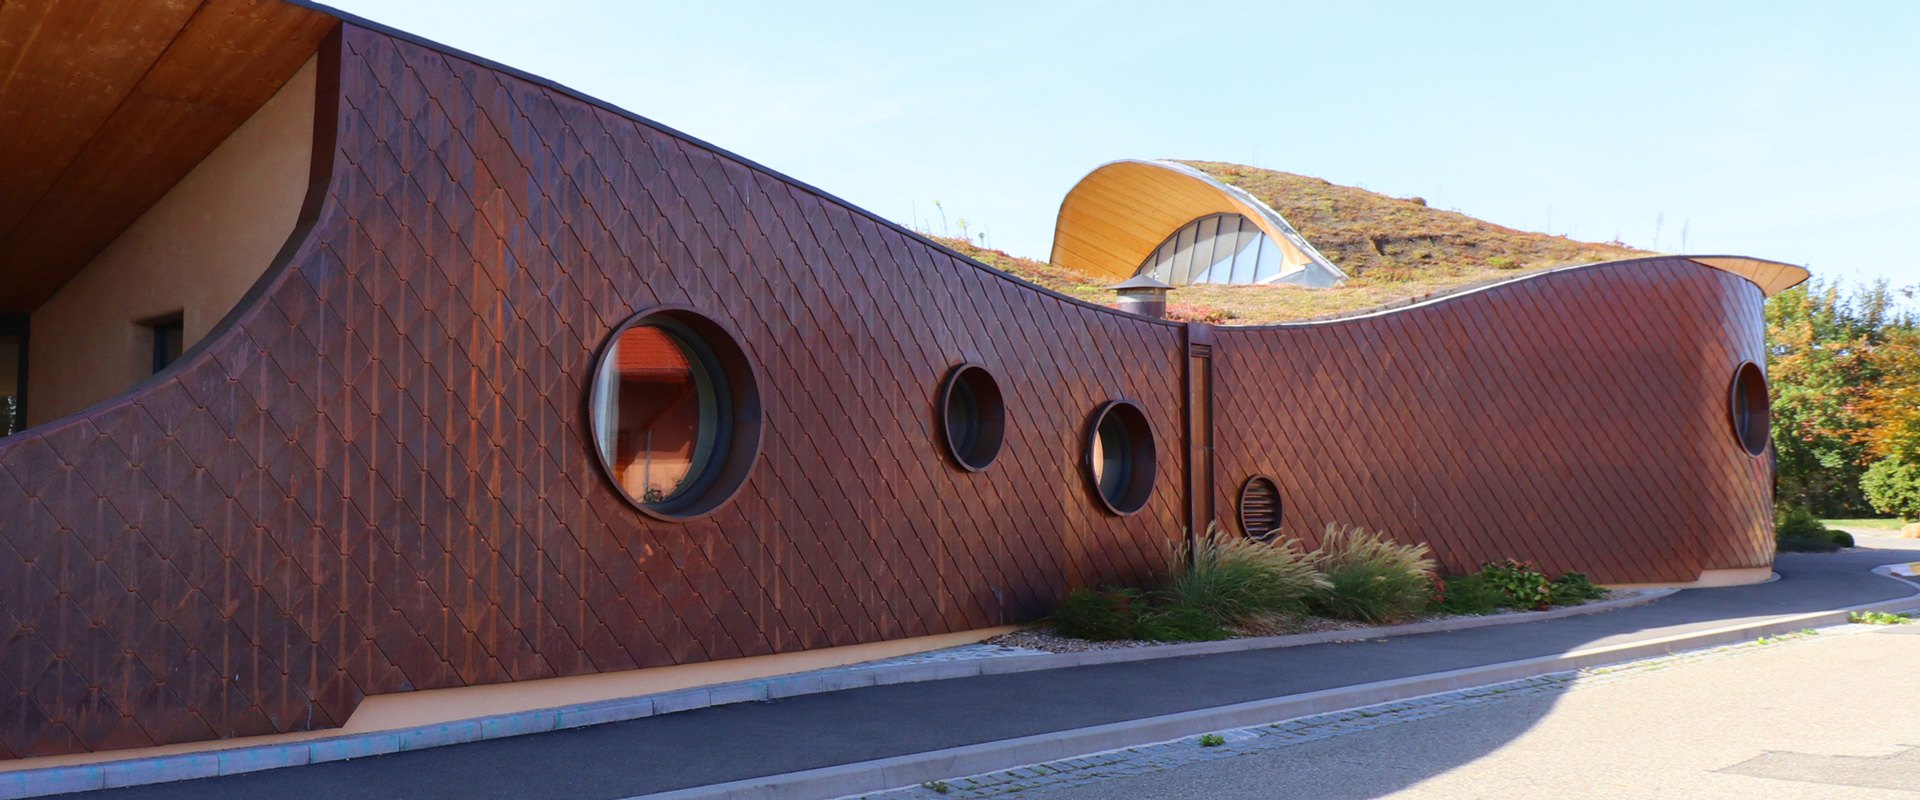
x=1815, y=340
x=1893, y=486
x=1845, y=374
x=1891, y=403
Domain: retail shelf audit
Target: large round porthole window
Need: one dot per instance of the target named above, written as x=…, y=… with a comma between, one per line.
x=1119, y=457
x=972, y=418
x=675, y=413
x=1750, y=408
x=1260, y=509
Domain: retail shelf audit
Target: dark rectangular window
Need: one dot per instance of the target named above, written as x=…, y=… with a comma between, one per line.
x=13, y=373
x=169, y=338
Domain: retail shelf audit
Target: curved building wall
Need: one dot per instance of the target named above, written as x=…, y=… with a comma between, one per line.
x=380, y=478
x=379, y=475
x=194, y=253
x=1578, y=419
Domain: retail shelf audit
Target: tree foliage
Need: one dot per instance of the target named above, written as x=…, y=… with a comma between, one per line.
x=1844, y=368
x=1893, y=487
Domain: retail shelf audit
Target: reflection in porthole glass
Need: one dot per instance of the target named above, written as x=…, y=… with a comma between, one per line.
x=657, y=412
x=1120, y=457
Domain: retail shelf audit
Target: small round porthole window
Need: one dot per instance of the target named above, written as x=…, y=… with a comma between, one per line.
x=973, y=418
x=1750, y=408
x=675, y=413
x=1260, y=509
x=1119, y=457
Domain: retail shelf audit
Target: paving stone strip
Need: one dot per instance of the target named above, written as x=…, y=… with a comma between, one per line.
x=1151, y=758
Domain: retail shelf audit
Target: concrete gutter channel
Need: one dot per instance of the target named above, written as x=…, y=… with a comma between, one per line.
x=916, y=768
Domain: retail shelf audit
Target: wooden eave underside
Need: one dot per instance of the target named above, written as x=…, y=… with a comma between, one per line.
x=1116, y=216
x=104, y=106
x=1773, y=277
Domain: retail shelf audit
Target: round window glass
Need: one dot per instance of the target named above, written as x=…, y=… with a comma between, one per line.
x=667, y=413
x=1750, y=409
x=1120, y=459
x=973, y=417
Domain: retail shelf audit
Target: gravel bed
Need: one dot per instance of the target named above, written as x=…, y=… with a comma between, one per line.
x=1043, y=637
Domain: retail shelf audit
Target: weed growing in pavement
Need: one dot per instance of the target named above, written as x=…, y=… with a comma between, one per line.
x=1786, y=637
x=1212, y=740
x=937, y=787
x=1878, y=618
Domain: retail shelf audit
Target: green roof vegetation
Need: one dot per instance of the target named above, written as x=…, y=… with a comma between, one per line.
x=1394, y=251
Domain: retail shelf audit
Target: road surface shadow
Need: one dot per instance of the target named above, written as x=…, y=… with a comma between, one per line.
x=727, y=743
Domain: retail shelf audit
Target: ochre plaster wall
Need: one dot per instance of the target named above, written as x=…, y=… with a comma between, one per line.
x=194, y=253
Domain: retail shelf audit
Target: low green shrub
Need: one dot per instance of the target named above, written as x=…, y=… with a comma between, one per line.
x=1842, y=538
x=1806, y=544
x=1799, y=522
x=1799, y=531
x=1099, y=615
x=1572, y=589
x=1521, y=584
x=1234, y=580
x=1369, y=577
x=1468, y=594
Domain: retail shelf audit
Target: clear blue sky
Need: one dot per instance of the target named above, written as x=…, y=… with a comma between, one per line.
x=1781, y=130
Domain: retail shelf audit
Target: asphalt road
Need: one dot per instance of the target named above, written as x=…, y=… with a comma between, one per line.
x=727, y=743
x=1831, y=716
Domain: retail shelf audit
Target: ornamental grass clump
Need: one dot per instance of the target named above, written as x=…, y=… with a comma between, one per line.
x=1369, y=577
x=1234, y=580
x=1099, y=615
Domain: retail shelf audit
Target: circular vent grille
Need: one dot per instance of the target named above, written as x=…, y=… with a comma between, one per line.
x=1260, y=509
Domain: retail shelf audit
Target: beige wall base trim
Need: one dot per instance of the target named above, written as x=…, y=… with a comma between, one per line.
x=1710, y=579
x=656, y=690
x=410, y=709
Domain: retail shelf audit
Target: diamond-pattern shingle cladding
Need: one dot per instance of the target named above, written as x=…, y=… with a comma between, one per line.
x=378, y=477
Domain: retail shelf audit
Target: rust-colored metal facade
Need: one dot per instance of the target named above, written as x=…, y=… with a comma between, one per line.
x=377, y=476
x=1578, y=419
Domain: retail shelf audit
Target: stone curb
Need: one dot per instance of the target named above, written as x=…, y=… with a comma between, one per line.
x=904, y=771
x=206, y=764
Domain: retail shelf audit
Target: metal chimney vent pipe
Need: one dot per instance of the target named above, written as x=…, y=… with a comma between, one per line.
x=1143, y=295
